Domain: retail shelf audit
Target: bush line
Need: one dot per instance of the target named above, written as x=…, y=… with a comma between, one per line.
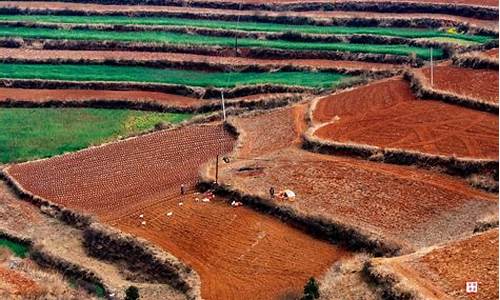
x=422, y=90
x=49, y=261
x=475, y=61
x=463, y=167
x=389, y=284
x=182, y=90
x=478, y=12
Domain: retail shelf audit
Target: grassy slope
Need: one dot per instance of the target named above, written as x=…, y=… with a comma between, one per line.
x=157, y=75
x=179, y=38
x=246, y=26
x=27, y=134
x=17, y=249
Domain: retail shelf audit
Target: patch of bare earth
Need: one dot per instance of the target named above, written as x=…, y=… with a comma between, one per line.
x=388, y=115
x=442, y=272
x=478, y=84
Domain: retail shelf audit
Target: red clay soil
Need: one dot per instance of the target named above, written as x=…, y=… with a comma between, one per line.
x=387, y=114
x=42, y=95
x=409, y=206
x=492, y=52
x=208, y=11
x=43, y=55
x=14, y=284
x=238, y=253
x=127, y=174
x=479, y=84
x=264, y=133
x=442, y=273
x=467, y=2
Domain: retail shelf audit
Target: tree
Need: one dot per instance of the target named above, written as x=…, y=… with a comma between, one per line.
x=311, y=290
x=132, y=293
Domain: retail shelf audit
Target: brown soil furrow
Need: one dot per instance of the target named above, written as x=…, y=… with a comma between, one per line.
x=386, y=114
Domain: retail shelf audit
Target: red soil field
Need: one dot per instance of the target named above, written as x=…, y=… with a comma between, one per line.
x=409, y=206
x=42, y=95
x=314, y=14
x=387, y=114
x=442, y=273
x=405, y=204
x=43, y=55
x=127, y=174
x=238, y=253
x=479, y=84
x=285, y=125
x=14, y=284
x=492, y=52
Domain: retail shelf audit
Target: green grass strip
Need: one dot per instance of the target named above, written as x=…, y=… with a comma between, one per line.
x=27, y=134
x=172, y=76
x=245, y=26
x=188, y=39
x=19, y=250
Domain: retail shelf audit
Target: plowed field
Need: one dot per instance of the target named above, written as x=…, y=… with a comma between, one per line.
x=443, y=272
x=387, y=114
x=414, y=207
x=124, y=9
x=124, y=175
x=40, y=96
x=183, y=57
x=14, y=284
x=475, y=83
x=239, y=253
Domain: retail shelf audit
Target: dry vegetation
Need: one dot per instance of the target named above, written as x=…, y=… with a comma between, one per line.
x=442, y=272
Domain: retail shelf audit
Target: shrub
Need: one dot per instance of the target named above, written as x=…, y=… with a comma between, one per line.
x=132, y=293
x=311, y=290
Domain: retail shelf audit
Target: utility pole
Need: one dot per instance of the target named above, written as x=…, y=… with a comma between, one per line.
x=432, y=70
x=217, y=170
x=223, y=106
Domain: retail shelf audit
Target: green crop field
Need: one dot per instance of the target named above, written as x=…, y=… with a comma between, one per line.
x=191, y=39
x=27, y=134
x=245, y=26
x=16, y=248
x=173, y=76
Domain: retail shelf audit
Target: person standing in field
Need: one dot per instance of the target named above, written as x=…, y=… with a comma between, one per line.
x=183, y=189
x=271, y=192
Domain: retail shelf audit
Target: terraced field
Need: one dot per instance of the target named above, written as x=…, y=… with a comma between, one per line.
x=387, y=114
x=476, y=84
x=74, y=75
x=442, y=273
x=71, y=72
